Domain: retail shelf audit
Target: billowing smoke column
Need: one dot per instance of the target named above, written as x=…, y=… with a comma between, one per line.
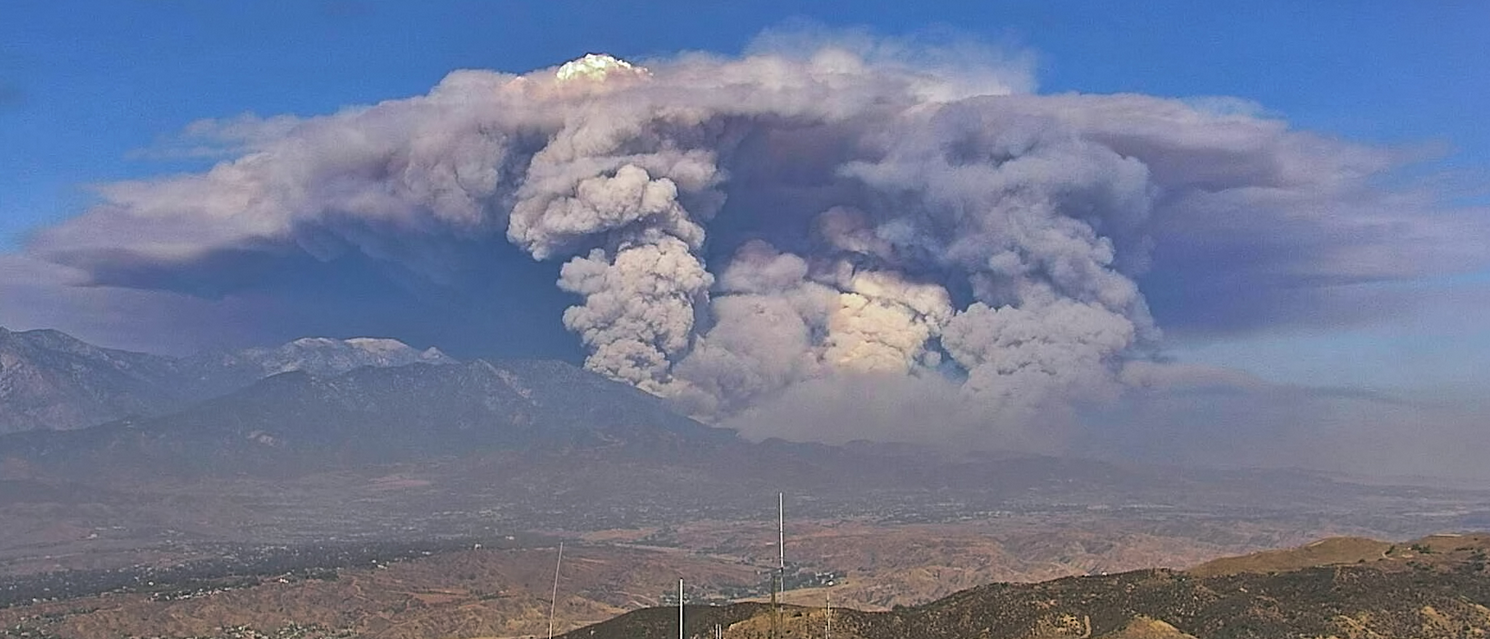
x=936, y=194
x=736, y=230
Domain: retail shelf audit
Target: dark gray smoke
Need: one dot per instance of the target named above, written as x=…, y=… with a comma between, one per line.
x=787, y=234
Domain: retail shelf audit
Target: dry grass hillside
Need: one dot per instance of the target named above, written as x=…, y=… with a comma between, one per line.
x=1341, y=551
x=893, y=574
x=886, y=566
x=461, y=594
x=1433, y=588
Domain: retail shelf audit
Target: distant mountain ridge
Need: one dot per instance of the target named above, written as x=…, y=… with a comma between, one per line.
x=219, y=372
x=322, y=356
x=52, y=381
x=364, y=402
x=298, y=422
x=538, y=433
x=543, y=423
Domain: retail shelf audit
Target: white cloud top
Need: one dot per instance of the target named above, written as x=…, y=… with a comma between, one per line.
x=595, y=66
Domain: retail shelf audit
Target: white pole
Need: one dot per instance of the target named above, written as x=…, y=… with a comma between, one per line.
x=553, y=602
x=781, y=533
x=778, y=580
x=680, y=609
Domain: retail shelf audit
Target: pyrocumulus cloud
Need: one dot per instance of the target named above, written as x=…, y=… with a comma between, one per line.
x=793, y=228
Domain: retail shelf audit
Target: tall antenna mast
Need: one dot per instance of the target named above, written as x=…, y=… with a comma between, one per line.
x=779, y=579
x=553, y=602
x=781, y=533
x=680, y=608
x=828, y=622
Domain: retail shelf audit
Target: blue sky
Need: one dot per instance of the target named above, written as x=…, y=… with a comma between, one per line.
x=84, y=86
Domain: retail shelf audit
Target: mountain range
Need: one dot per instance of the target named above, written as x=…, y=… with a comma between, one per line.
x=52, y=381
x=297, y=422
x=321, y=405
x=84, y=413
x=125, y=461
x=328, y=439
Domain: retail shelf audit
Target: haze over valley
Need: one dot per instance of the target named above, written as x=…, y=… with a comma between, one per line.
x=386, y=455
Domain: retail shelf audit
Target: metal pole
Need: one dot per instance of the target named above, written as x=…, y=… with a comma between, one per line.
x=680, y=609
x=781, y=533
x=553, y=602
x=775, y=616
x=778, y=581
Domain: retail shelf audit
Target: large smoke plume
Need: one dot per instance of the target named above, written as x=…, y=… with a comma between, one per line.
x=830, y=228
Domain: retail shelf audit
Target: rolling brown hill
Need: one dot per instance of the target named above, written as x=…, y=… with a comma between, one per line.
x=1433, y=588
x=1434, y=550
x=469, y=593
